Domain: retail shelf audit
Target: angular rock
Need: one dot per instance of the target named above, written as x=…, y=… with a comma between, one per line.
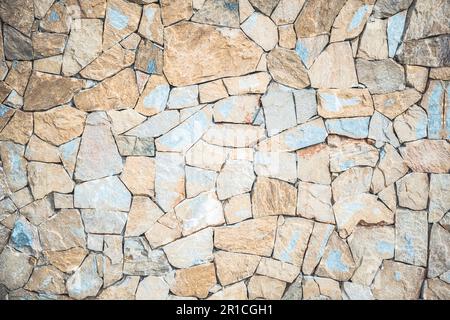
x=18, y=14
x=316, y=246
x=351, y=182
x=427, y=156
x=373, y=43
x=199, y=180
x=233, y=135
x=218, y=12
x=19, y=128
x=285, y=67
x=273, y=197
x=395, y=103
x=183, y=97
x=47, y=279
x=236, y=177
x=433, y=103
x=261, y=30
x=357, y=128
x=16, y=45
x=265, y=288
x=38, y=150
x=152, y=288
x=265, y=6
x=149, y=58
x=411, y=125
x=24, y=237
x=313, y=164
x=195, y=281
x=123, y=290
x=154, y=97
x=382, y=130
x=104, y=221
x=383, y=76
x=39, y=210
x=390, y=168
x=417, y=77
x=169, y=180
x=279, y=109
x=395, y=27
x=139, y=175
x=46, y=178
x=439, y=196
x=151, y=26
x=58, y=18
x=143, y=214
x=428, y=52
x=15, y=268
x=439, y=252
x=238, y=208
x=124, y=120
x=314, y=202
x=166, y=230
x=344, y=103
x=253, y=83
x=355, y=291
x=412, y=191
x=236, y=109
x=213, y=91
x=387, y=8
x=351, y=20
x=175, y=10
x=308, y=49
x=280, y=165
x=85, y=282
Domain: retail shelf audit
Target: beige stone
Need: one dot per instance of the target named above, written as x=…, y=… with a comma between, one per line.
x=351, y=182
x=38, y=150
x=417, y=77
x=253, y=83
x=286, y=68
x=233, y=135
x=265, y=288
x=427, y=156
x=351, y=19
x=373, y=44
x=139, y=175
x=195, y=281
x=143, y=214
x=287, y=36
x=412, y=191
x=314, y=202
x=234, y=267
x=318, y=240
x=237, y=208
x=334, y=103
x=46, y=178
x=48, y=65
x=313, y=164
x=152, y=288
x=261, y=30
x=154, y=97
x=237, y=291
x=439, y=251
x=15, y=268
x=278, y=270
x=273, y=197
x=47, y=279
x=175, y=10
x=19, y=128
x=212, y=91
x=395, y=103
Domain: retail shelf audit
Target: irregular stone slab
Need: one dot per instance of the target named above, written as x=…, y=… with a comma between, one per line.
x=98, y=156
x=68, y=154
x=182, y=137
x=286, y=11
x=92, y=9
x=383, y=76
x=317, y=18
x=175, y=10
x=308, y=49
x=104, y=221
x=110, y=94
x=265, y=288
x=124, y=120
x=237, y=291
x=151, y=26
x=337, y=262
x=238, y=208
x=18, y=76
x=355, y=291
x=435, y=289
x=334, y=68
x=187, y=60
x=439, y=255
x=108, y=63
x=16, y=45
x=280, y=165
x=40, y=210
x=314, y=202
x=316, y=288
x=122, y=19
x=316, y=246
x=19, y=128
x=152, y=288
x=169, y=180
x=141, y=260
x=143, y=214
x=195, y=281
x=387, y=8
x=433, y=103
x=335, y=103
x=212, y=91
x=313, y=164
x=39, y=150
x=292, y=240
x=59, y=18
x=197, y=213
x=236, y=109
x=149, y=58
x=417, y=77
x=395, y=103
x=398, y=281
x=183, y=97
x=279, y=109
x=373, y=43
x=278, y=270
x=85, y=282
x=351, y=182
x=156, y=125
x=102, y=194
x=301, y=136
x=364, y=207
x=62, y=231
x=219, y=12
x=412, y=191
x=236, y=178
x=255, y=236
x=234, y=135
x=427, y=156
x=139, y=175
x=396, y=25
x=281, y=60
x=123, y=290
x=261, y=30
x=45, y=91
x=382, y=130
x=47, y=279
x=15, y=268
x=351, y=20
x=166, y=230
x=216, y=156
x=252, y=83
x=24, y=237
x=428, y=52
x=83, y=46
x=18, y=14
x=45, y=178
x=411, y=233
x=439, y=196
x=267, y=202
x=154, y=97
x=265, y=6
x=234, y=267
x=191, y=250
x=357, y=128
x=411, y=125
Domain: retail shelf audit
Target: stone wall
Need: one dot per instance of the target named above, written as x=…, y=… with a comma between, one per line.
x=225, y=149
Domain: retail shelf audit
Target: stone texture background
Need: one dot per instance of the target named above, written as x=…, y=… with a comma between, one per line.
x=225, y=149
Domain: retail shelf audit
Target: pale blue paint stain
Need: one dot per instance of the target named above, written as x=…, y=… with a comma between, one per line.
x=358, y=18
x=286, y=254
x=157, y=98
x=334, y=262
x=3, y=110
x=434, y=112
x=397, y=276
x=421, y=128
x=302, y=51
x=382, y=153
x=151, y=66
x=385, y=247
x=347, y=164
x=334, y=103
x=225, y=107
x=389, y=103
x=117, y=19
x=232, y=6
x=54, y=16
x=150, y=14
x=307, y=135
x=352, y=127
x=396, y=24
x=409, y=247
x=20, y=235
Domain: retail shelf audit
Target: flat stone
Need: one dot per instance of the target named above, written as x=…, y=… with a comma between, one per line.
x=351, y=20
x=357, y=128
x=152, y=288
x=19, y=128
x=308, y=49
x=273, y=197
x=281, y=60
x=427, y=156
x=183, y=97
x=18, y=14
x=16, y=268
x=169, y=180
x=426, y=23
x=196, y=156
x=195, y=281
x=233, y=135
x=354, y=181
x=316, y=246
x=154, y=97
x=355, y=291
x=382, y=130
x=122, y=19
x=317, y=18
x=45, y=91
x=45, y=178
x=373, y=44
x=314, y=202
x=433, y=103
x=18, y=76
x=199, y=180
x=317, y=288
x=292, y=240
x=166, y=230
x=83, y=46
x=236, y=177
x=110, y=94
x=280, y=165
x=387, y=8
x=435, y=289
x=253, y=83
x=442, y=73
x=124, y=120
x=181, y=253
x=143, y=214
x=265, y=6
x=61, y=232
x=395, y=103
x=364, y=207
x=395, y=27
x=188, y=61
x=411, y=125
x=278, y=270
x=265, y=288
x=439, y=196
x=156, y=125
x=398, y=281
x=16, y=45
x=234, y=267
x=334, y=103
x=49, y=65
x=61, y=201
x=411, y=233
x=236, y=109
x=66, y=260
x=47, y=279
x=412, y=191
x=139, y=175
x=212, y=91
x=439, y=252
x=151, y=26
x=334, y=68
x=93, y=9
x=337, y=262
x=287, y=36
x=221, y=13
x=68, y=154
x=24, y=237
x=149, y=58
x=279, y=109
x=370, y=74
x=417, y=77
x=255, y=236
x=313, y=164
x=123, y=290
x=39, y=210
x=237, y=291
x=58, y=18
x=261, y=30
x=175, y=10
x=238, y=208
x=428, y=52
x=85, y=282
x=108, y=63
x=103, y=194
x=286, y=11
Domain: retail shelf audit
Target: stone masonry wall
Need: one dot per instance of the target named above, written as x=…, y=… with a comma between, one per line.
x=224, y=149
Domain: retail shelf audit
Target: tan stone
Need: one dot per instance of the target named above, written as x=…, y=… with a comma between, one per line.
x=351, y=20
x=152, y=288
x=435, y=289
x=151, y=26
x=195, y=281
x=442, y=73
x=212, y=91
x=47, y=279
x=395, y=103
x=143, y=214
x=175, y=10
x=110, y=94
x=439, y=252
x=238, y=208
x=273, y=197
x=253, y=83
x=18, y=76
x=48, y=44
x=265, y=288
x=412, y=191
x=15, y=268
x=286, y=11
x=237, y=291
x=373, y=44
x=417, y=77
x=351, y=182
x=19, y=128
x=427, y=156
x=93, y=8
x=236, y=109
x=286, y=68
x=316, y=245
x=314, y=202
x=287, y=36
x=46, y=178
x=154, y=97
x=45, y=91
x=234, y=267
x=439, y=197
x=38, y=150
x=278, y=270
x=390, y=168
x=139, y=175
x=49, y=65
x=335, y=103
x=255, y=236
x=59, y=125
x=313, y=164
x=197, y=53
